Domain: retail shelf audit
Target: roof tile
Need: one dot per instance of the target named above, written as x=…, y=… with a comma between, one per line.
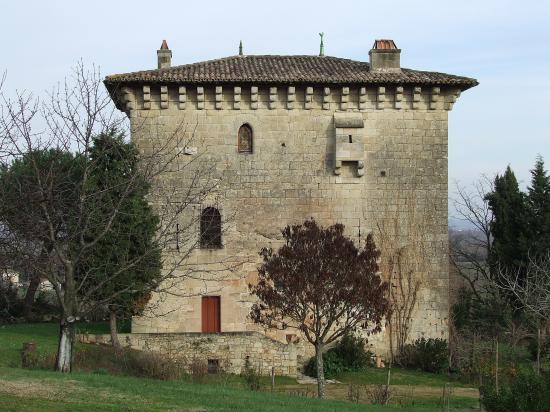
x=287, y=69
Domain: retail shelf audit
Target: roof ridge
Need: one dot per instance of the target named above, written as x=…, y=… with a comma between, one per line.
x=245, y=56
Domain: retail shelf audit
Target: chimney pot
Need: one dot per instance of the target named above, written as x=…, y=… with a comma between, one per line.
x=164, y=56
x=385, y=56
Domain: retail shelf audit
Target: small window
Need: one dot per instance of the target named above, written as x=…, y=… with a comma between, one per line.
x=211, y=229
x=213, y=365
x=245, y=139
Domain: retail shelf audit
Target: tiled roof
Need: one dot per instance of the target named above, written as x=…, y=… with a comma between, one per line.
x=287, y=69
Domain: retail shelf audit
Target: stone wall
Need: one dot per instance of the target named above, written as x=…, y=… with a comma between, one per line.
x=232, y=350
x=290, y=176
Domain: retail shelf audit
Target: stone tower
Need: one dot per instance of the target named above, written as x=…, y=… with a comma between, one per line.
x=294, y=137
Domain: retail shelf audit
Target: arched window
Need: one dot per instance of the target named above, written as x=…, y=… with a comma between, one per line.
x=211, y=229
x=245, y=139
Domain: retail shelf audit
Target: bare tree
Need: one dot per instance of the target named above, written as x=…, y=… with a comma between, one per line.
x=403, y=236
x=532, y=289
x=469, y=251
x=49, y=215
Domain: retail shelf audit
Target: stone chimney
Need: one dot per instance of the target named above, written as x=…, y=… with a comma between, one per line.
x=385, y=56
x=164, y=56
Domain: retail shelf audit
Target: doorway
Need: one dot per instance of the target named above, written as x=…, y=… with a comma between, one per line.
x=211, y=314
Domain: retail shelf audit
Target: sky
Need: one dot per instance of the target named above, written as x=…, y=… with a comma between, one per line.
x=504, y=44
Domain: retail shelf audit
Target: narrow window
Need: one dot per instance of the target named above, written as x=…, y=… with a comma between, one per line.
x=350, y=139
x=245, y=139
x=211, y=229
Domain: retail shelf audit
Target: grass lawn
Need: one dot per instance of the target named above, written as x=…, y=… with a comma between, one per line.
x=398, y=377
x=44, y=335
x=41, y=390
x=23, y=390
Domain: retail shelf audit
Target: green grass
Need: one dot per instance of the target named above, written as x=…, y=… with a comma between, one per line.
x=50, y=391
x=44, y=335
x=41, y=390
x=399, y=376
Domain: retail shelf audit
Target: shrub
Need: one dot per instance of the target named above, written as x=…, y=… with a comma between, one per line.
x=197, y=369
x=151, y=365
x=474, y=358
x=379, y=394
x=527, y=393
x=544, y=349
x=347, y=356
x=428, y=355
x=11, y=305
x=251, y=378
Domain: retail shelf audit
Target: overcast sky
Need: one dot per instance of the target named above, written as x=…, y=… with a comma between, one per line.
x=504, y=44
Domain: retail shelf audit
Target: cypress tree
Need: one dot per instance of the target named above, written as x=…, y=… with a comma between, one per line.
x=538, y=204
x=509, y=226
x=125, y=264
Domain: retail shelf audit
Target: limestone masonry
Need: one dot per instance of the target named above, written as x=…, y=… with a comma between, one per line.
x=289, y=138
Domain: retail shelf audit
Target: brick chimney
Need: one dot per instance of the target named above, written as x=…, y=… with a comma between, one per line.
x=385, y=56
x=164, y=56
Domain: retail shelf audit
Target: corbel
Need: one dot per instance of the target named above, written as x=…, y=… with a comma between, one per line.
x=417, y=93
x=308, y=98
x=381, y=98
x=164, y=97
x=237, y=98
x=254, y=97
x=219, y=98
x=291, y=97
x=362, y=98
x=182, y=99
x=451, y=99
x=345, y=98
x=146, y=97
x=399, y=97
x=200, y=97
x=434, y=97
x=128, y=99
x=272, y=97
x=326, y=98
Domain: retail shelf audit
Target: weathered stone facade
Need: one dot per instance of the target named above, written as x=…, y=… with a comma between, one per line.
x=357, y=153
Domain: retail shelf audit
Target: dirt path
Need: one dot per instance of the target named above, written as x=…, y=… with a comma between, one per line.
x=342, y=391
x=38, y=388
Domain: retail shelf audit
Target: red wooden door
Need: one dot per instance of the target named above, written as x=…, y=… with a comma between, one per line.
x=211, y=314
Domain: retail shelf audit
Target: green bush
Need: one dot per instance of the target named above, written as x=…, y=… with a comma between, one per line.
x=428, y=355
x=251, y=378
x=348, y=355
x=11, y=304
x=527, y=393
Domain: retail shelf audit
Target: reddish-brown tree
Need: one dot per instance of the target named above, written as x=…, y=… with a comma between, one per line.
x=320, y=283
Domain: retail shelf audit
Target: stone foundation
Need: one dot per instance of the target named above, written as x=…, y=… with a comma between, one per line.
x=232, y=350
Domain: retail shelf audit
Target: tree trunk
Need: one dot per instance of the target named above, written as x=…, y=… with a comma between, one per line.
x=496, y=364
x=113, y=328
x=320, y=371
x=67, y=332
x=29, y=295
x=64, y=361
x=538, y=348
